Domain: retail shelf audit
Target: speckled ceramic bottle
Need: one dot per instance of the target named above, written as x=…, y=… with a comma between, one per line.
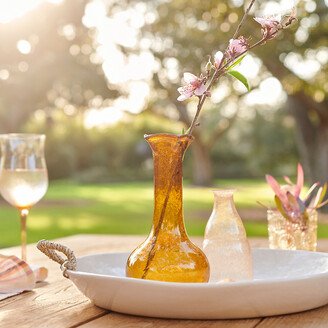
x=225, y=243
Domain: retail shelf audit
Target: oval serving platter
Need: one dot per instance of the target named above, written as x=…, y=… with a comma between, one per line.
x=284, y=282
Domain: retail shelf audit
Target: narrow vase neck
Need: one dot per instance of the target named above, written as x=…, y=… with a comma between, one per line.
x=168, y=152
x=224, y=202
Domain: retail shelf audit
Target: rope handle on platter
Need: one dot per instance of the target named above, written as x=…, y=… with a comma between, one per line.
x=49, y=249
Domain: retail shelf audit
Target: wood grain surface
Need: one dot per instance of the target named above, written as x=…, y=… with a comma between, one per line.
x=58, y=303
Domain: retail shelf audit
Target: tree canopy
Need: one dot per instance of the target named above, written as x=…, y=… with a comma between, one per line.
x=51, y=64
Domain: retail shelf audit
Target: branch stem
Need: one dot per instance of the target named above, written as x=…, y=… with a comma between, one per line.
x=221, y=68
x=217, y=73
x=243, y=19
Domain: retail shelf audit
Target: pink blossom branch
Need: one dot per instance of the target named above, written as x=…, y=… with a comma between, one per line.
x=217, y=73
x=236, y=49
x=220, y=69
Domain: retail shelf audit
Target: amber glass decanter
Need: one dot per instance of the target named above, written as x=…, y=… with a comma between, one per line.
x=168, y=254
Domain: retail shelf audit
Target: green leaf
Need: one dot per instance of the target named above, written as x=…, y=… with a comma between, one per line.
x=280, y=207
x=293, y=201
x=240, y=77
x=237, y=62
x=323, y=192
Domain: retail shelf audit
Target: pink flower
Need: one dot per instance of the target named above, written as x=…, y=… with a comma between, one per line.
x=270, y=26
x=277, y=189
x=295, y=190
x=288, y=200
x=289, y=195
x=218, y=58
x=300, y=180
x=194, y=86
x=237, y=47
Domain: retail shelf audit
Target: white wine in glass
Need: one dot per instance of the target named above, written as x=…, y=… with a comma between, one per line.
x=23, y=174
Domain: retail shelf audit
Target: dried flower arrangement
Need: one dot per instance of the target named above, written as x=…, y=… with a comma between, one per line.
x=288, y=201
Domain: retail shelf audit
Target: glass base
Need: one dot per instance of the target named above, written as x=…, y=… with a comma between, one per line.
x=284, y=234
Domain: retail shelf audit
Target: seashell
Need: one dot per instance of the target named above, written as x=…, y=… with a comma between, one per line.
x=40, y=273
x=16, y=275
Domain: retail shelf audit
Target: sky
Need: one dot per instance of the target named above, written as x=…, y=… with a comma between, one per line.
x=134, y=73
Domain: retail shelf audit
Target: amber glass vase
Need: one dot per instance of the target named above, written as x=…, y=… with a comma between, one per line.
x=168, y=254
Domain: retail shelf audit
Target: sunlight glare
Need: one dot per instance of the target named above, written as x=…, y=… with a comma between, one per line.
x=132, y=73
x=305, y=68
x=24, y=47
x=55, y=2
x=270, y=92
x=12, y=9
x=102, y=117
x=250, y=66
x=278, y=7
x=94, y=14
x=4, y=74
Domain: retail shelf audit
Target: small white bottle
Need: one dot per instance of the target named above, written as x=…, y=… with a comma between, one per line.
x=225, y=243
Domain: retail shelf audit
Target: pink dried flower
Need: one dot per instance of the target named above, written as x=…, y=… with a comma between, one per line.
x=218, y=58
x=289, y=19
x=194, y=86
x=281, y=191
x=237, y=47
x=288, y=199
x=270, y=26
x=300, y=180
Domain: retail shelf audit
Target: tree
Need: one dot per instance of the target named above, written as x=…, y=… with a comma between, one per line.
x=307, y=93
x=46, y=63
x=181, y=40
x=184, y=33
x=61, y=71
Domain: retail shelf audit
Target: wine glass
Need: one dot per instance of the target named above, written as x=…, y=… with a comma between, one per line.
x=23, y=174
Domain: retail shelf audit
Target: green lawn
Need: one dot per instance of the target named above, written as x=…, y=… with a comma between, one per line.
x=126, y=208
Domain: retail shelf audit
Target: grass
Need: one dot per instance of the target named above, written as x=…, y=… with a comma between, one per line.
x=125, y=208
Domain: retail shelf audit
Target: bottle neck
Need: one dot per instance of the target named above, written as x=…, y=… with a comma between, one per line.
x=224, y=202
x=168, y=153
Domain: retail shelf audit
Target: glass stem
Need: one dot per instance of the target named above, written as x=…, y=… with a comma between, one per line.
x=23, y=217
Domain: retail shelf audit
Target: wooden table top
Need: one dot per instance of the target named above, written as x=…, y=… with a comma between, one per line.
x=57, y=303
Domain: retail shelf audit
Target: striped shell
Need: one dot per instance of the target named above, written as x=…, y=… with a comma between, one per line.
x=16, y=275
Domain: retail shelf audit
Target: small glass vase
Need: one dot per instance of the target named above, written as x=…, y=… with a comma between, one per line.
x=168, y=254
x=225, y=243
x=285, y=234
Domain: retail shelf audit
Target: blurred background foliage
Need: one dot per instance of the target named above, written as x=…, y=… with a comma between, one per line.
x=63, y=61
x=96, y=75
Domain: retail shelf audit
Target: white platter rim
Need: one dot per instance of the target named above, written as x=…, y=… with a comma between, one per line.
x=208, y=284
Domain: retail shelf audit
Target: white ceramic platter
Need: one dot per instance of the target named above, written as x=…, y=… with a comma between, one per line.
x=285, y=282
